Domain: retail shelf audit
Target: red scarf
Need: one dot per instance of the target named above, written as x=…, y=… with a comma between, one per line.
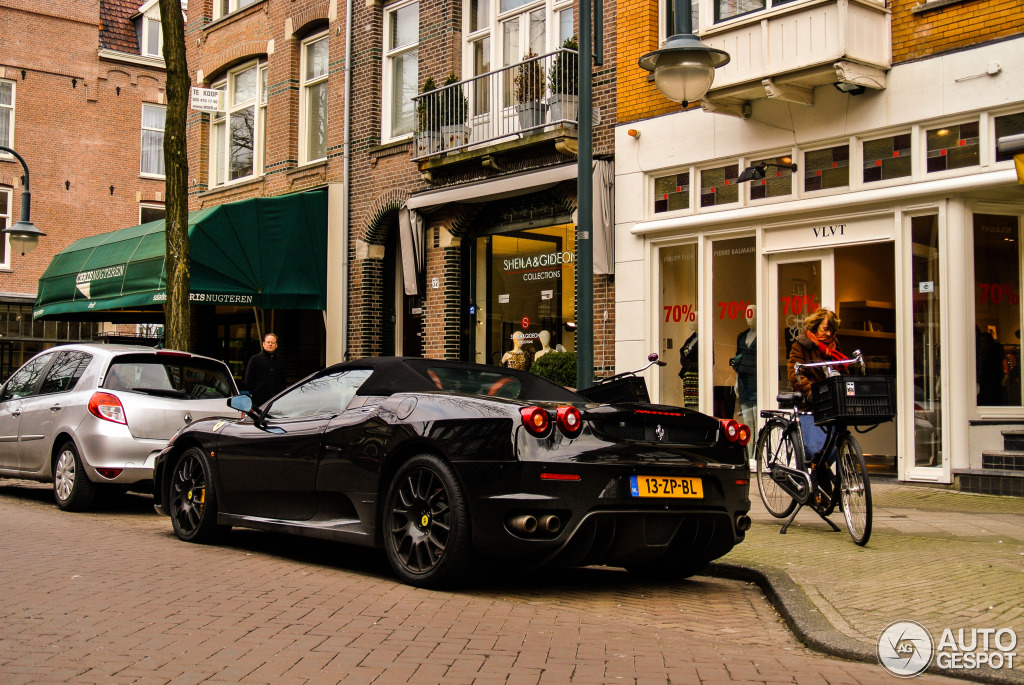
x=828, y=351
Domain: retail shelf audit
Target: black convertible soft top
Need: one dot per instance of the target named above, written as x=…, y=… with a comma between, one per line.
x=416, y=374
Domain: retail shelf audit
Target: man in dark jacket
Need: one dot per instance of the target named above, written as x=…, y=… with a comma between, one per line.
x=264, y=374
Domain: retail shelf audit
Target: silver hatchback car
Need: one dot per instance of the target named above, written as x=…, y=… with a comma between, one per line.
x=94, y=417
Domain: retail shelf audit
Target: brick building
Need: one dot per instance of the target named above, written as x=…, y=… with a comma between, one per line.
x=82, y=101
x=845, y=157
x=284, y=68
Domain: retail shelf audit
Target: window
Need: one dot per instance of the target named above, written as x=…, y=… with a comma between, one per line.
x=6, y=114
x=828, y=168
x=887, y=158
x=222, y=8
x=997, y=311
x=151, y=40
x=23, y=383
x=777, y=181
x=148, y=213
x=667, y=19
x=672, y=192
x=237, y=134
x=1009, y=125
x=153, y=117
x=315, y=68
x=5, y=220
x=326, y=395
x=66, y=370
x=718, y=186
x=953, y=147
x=677, y=325
x=401, y=69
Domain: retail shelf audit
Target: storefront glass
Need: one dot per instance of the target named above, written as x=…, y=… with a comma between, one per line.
x=525, y=281
x=997, y=309
x=926, y=298
x=734, y=332
x=677, y=307
x=799, y=292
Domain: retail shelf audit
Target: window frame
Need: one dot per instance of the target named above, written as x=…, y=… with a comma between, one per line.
x=12, y=108
x=232, y=6
x=142, y=133
x=144, y=38
x=5, y=221
x=219, y=159
x=305, y=86
x=151, y=205
x=387, y=133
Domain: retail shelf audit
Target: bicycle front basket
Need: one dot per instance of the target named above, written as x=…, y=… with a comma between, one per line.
x=853, y=400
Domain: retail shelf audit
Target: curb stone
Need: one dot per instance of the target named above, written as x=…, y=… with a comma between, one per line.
x=815, y=631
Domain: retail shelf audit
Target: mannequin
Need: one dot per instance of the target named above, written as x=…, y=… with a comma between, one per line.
x=745, y=363
x=516, y=357
x=545, y=345
x=689, y=367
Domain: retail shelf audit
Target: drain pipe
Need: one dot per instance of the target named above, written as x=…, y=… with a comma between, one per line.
x=346, y=150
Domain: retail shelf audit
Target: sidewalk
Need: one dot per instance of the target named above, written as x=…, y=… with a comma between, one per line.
x=942, y=558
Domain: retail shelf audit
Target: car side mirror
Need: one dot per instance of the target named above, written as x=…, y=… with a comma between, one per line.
x=242, y=403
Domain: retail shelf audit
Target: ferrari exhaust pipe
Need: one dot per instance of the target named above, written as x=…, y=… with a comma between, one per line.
x=524, y=523
x=550, y=523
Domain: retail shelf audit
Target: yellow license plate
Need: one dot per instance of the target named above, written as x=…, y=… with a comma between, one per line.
x=666, y=486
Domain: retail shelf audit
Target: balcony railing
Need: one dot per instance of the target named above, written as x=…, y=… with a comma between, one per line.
x=533, y=95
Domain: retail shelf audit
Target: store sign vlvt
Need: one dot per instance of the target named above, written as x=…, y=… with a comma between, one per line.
x=539, y=267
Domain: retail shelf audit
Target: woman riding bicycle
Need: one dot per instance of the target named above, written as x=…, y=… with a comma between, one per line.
x=817, y=343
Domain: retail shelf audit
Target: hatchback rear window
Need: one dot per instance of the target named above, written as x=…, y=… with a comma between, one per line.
x=180, y=377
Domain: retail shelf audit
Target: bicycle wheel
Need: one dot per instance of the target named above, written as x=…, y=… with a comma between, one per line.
x=856, y=489
x=776, y=445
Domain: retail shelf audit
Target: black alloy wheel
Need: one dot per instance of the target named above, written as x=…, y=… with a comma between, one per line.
x=426, y=524
x=192, y=500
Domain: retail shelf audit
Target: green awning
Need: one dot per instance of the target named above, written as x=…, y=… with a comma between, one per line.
x=268, y=252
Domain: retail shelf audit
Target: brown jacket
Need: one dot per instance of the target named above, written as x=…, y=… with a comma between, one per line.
x=804, y=351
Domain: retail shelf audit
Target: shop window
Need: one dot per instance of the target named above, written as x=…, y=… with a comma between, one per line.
x=672, y=192
x=734, y=332
x=953, y=147
x=828, y=168
x=926, y=299
x=997, y=309
x=777, y=181
x=315, y=54
x=401, y=69
x=887, y=158
x=718, y=186
x=1009, y=125
x=677, y=316
x=524, y=295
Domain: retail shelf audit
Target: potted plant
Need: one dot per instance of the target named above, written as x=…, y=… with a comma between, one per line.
x=563, y=79
x=454, y=108
x=428, y=137
x=529, y=92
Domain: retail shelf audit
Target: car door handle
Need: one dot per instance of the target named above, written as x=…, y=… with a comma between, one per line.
x=55, y=408
x=15, y=413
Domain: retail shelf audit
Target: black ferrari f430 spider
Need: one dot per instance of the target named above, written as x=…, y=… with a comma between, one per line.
x=446, y=465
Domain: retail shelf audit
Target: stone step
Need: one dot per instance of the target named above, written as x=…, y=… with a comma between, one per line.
x=990, y=481
x=1003, y=460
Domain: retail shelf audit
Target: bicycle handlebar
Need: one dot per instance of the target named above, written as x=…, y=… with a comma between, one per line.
x=652, y=359
x=857, y=358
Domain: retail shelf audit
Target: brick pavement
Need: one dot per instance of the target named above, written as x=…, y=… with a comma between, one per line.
x=943, y=558
x=114, y=597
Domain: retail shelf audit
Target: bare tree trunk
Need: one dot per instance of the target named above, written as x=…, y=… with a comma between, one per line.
x=177, y=332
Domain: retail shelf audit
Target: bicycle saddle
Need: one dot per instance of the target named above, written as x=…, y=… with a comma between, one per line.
x=789, y=399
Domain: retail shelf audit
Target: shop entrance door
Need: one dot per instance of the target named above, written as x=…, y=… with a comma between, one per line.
x=864, y=298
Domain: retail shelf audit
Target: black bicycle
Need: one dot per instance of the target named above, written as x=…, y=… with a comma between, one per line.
x=788, y=479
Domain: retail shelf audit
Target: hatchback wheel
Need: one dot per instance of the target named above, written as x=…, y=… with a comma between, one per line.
x=192, y=499
x=71, y=487
x=426, y=524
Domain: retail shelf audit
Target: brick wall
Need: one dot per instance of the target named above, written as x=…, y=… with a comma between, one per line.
x=915, y=36
x=78, y=126
x=638, y=97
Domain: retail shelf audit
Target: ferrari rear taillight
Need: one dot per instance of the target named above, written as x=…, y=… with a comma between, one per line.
x=736, y=431
x=569, y=421
x=105, y=406
x=536, y=420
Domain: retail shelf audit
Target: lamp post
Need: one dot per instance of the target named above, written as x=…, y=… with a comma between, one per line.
x=24, y=235
x=684, y=67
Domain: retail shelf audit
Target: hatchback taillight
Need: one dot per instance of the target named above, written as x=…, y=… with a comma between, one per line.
x=536, y=420
x=105, y=406
x=736, y=431
x=569, y=421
